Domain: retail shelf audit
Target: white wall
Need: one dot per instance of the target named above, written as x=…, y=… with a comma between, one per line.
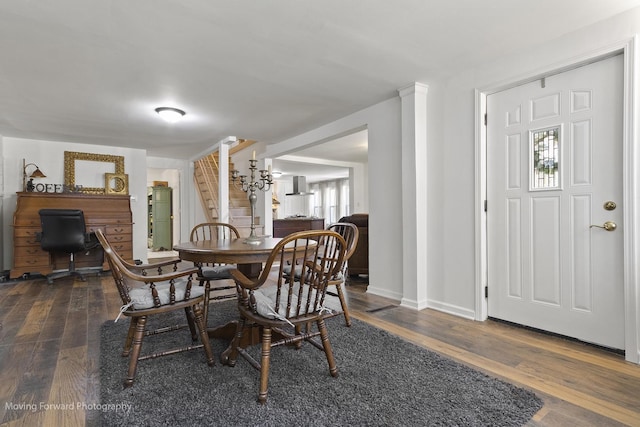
x=49, y=156
x=359, y=188
x=451, y=166
x=385, y=228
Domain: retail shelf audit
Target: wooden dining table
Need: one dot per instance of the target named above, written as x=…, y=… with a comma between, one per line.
x=248, y=257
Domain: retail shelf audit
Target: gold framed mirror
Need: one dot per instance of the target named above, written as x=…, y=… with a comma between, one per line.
x=85, y=172
x=116, y=183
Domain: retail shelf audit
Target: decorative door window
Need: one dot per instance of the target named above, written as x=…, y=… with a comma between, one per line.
x=545, y=158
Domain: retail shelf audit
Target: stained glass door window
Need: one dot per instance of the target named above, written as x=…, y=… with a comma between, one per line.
x=545, y=158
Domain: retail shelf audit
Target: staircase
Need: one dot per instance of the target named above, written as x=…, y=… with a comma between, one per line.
x=206, y=172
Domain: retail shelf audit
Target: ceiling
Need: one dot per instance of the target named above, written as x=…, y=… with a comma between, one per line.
x=92, y=71
x=327, y=161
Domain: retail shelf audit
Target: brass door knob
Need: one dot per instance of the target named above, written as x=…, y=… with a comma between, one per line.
x=609, y=226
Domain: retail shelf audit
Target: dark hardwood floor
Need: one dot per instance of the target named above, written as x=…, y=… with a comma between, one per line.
x=49, y=353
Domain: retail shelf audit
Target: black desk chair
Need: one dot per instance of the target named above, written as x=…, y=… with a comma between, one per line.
x=64, y=230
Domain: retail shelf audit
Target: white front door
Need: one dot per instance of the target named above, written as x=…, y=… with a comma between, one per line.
x=554, y=178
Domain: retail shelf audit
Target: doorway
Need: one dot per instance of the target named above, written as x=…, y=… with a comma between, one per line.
x=628, y=208
x=554, y=184
x=160, y=218
x=169, y=178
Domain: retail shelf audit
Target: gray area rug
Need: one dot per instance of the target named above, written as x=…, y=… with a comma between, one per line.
x=383, y=381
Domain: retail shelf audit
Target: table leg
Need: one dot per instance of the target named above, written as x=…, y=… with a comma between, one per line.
x=228, y=331
x=252, y=271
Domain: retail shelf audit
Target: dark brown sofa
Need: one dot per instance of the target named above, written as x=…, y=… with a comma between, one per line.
x=359, y=262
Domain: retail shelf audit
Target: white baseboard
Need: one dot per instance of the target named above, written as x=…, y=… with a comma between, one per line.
x=452, y=309
x=383, y=293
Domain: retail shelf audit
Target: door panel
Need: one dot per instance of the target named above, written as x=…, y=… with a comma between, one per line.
x=554, y=158
x=545, y=250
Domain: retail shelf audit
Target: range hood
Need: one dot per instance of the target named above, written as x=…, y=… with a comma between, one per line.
x=299, y=187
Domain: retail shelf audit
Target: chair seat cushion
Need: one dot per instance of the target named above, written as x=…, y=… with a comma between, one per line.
x=141, y=297
x=218, y=272
x=287, y=271
x=266, y=298
x=266, y=303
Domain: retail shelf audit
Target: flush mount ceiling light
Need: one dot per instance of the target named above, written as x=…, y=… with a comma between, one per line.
x=170, y=114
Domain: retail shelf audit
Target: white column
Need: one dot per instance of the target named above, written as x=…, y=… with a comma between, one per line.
x=223, y=179
x=267, y=197
x=414, y=195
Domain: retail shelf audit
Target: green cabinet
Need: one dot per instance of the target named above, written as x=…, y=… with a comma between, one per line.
x=160, y=218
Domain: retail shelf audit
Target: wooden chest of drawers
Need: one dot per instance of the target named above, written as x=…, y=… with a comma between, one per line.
x=110, y=213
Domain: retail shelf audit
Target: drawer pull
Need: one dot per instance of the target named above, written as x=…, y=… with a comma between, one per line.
x=118, y=238
x=118, y=230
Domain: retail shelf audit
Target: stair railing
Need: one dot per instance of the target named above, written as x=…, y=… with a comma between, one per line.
x=209, y=182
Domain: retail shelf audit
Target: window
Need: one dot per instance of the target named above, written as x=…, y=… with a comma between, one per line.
x=330, y=199
x=344, y=198
x=545, y=159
